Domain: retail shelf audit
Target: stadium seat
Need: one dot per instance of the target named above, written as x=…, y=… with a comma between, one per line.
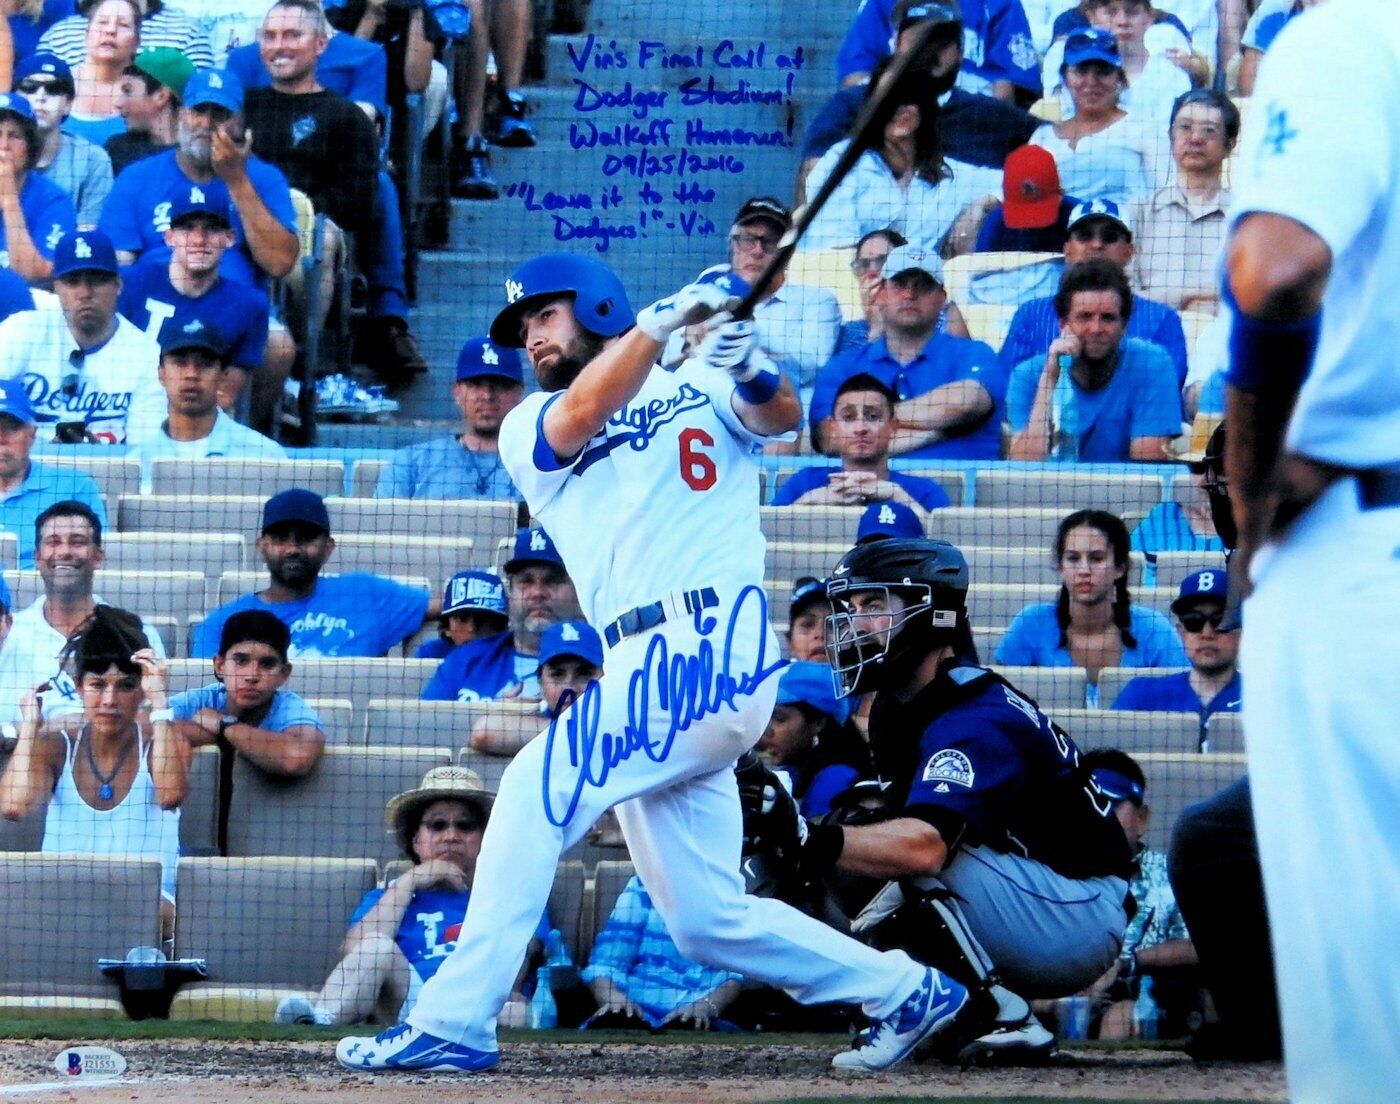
x=989, y=322
x=1068, y=490
x=1193, y=322
x=410, y=722
x=790, y=560
x=20, y=835
x=489, y=767
x=1172, y=567
x=993, y=527
x=997, y=279
x=830, y=269
x=485, y=521
x=114, y=475
x=569, y=901
x=1225, y=733
x=9, y=551
x=210, y=554
x=338, y=715
x=1133, y=732
x=266, y=927
x=1176, y=781
x=171, y=594
x=995, y=605
x=609, y=880
x=263, y=478
x=185, y=514
x=174, y=633
x=409, y=648
x=364, y=477
x=985, y=641
x=199, y=814
x=436, y=559
x=362, y=680
x=335, y=811
x=1054, y=689
x=1113, y=679
x=58, y=915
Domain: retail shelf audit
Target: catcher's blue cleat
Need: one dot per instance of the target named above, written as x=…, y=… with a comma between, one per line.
x=404, y=1047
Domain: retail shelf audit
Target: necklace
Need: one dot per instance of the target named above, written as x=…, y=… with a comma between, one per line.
x=104, y=792
x=482, y=475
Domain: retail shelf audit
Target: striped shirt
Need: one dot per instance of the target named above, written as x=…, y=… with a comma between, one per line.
x=68, y=37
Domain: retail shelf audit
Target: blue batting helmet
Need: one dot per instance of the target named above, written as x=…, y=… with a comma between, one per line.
x=600, y=300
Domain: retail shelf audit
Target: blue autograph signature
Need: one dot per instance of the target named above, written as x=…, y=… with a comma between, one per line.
x=688, y=688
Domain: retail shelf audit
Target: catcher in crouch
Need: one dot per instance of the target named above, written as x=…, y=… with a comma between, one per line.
x=1003, y=864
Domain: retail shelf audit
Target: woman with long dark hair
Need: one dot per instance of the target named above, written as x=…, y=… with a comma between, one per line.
x=902, y=179
x=114, y=783
x=1093, y=624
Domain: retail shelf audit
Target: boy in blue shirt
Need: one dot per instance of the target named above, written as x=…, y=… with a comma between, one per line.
x=1095, y=395
x=1212, y=685
x=338, y=616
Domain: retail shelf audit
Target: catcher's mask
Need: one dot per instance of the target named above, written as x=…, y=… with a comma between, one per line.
x=893, y=602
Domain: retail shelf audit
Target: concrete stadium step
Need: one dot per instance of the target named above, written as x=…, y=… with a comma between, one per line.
x=776, y=18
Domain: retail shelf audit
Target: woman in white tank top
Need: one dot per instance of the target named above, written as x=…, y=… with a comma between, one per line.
x=112, y=787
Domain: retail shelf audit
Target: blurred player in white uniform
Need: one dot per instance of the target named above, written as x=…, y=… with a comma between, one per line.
x=647, y=481
x=1313, y=461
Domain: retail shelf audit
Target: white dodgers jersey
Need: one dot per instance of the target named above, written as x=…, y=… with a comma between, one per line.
x=1322, y=147
x=664, y=498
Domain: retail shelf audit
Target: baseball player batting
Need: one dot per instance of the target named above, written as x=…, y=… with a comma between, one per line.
x=648, y=483
x=1313, y=461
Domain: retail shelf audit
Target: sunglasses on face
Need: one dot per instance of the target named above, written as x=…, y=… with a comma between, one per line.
x=1104, y=235
x=442, y=825
x=1195, y=621
x=29, y=87
x=868, y=264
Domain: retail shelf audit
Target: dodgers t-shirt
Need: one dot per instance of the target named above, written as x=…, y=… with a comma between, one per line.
x=237, y=310
x=137, y=213
x=48, y=215
x=355, y=615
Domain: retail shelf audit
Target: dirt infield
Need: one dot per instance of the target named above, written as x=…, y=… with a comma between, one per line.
x=672, y=1072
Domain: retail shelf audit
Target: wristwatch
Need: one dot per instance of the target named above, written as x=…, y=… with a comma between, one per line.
x=227, y=721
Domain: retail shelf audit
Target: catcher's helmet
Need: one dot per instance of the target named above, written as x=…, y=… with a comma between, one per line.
x=929, y=577
x=600, y=300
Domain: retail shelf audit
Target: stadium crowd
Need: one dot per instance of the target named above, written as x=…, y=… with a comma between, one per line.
x=1025, y=260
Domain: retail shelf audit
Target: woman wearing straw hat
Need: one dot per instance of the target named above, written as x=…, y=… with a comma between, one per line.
x=400, y=934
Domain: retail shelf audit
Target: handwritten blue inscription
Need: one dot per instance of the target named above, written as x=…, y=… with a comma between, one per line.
x=704, y=124
x=683, y=688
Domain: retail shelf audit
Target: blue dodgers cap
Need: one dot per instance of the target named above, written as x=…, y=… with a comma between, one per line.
x=84, y=251
x=214, y=86
x=480, y=356
x=1099, y=208
x=296, y=505
x=576, y=639
x=1209, y=583
x=888, y=519
x=195, y=334
x=16, y=104
x=1092, y=44
x=806, y=683
x=14, y=401
x=194, y=200
x=44, y=63
x=533, y=545
x=474, y=592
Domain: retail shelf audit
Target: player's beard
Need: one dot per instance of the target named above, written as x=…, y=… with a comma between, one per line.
x=582, y=349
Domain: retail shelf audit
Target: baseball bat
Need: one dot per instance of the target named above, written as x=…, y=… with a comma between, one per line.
x=860, y=137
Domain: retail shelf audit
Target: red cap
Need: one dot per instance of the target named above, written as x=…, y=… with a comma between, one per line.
x=1030, y=186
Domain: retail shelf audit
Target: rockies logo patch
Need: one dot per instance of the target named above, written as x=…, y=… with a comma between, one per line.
x=949, y=766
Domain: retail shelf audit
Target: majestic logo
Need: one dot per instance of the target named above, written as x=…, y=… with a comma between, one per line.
x=515, y=291
x=538, y=543
x=950, y=766
x=488, y=354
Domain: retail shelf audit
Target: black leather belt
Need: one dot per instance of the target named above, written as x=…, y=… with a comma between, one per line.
x=658, y=613
x=1378, y=488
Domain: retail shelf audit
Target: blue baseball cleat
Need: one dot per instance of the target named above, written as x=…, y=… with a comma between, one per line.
x=933, y=1006
x=404, y=1047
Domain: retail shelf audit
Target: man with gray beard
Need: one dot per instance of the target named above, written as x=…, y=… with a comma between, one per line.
x=212, y=152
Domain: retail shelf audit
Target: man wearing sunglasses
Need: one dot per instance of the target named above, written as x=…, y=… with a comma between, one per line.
x=1212, y=685
x=797, y=326
x=1098, y=231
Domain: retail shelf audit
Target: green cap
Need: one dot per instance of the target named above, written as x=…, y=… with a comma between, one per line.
x=165, y=64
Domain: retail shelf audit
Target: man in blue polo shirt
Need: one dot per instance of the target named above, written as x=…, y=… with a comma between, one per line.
x=164, y=298
x=214, y=152
x=507, y=664
x=1095, y=394
x=950, y=389
x=28, y=489
x=34, y=212
x=332, y=617
x=1212, y=685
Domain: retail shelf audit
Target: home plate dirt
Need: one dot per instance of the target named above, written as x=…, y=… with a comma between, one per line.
x=713, y=1072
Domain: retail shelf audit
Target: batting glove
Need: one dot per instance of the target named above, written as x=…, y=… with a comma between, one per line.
x=711, y=294
x=727, y=347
